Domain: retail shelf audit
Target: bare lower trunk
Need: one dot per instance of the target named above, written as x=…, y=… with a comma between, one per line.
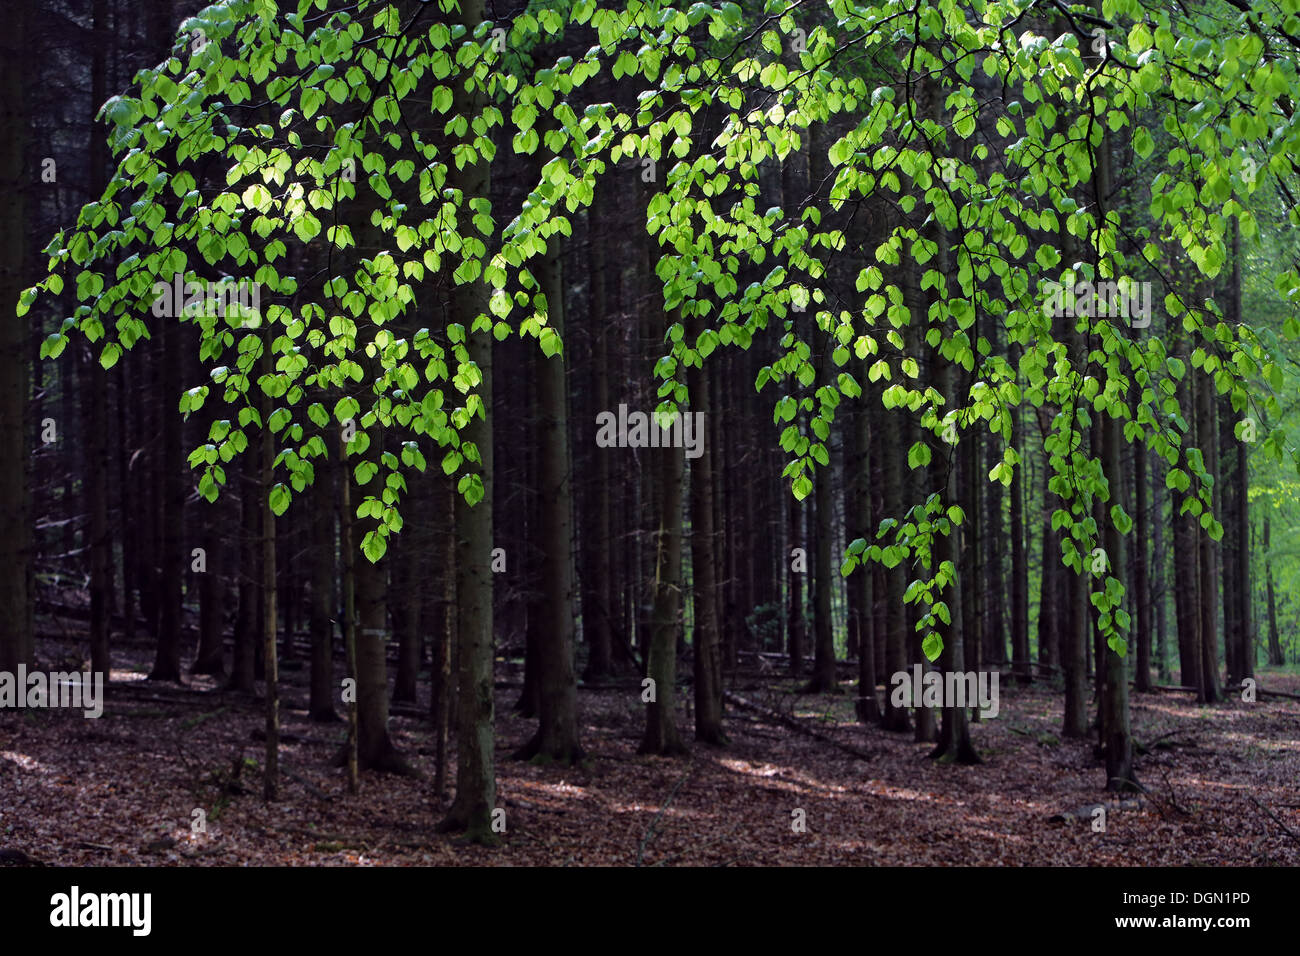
x=661, y=735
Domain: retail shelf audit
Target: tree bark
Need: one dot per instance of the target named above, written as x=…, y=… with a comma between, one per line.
x=16, y=82
x=661, y=735
x=557, y=728
x=708, y=644
x=324, y=600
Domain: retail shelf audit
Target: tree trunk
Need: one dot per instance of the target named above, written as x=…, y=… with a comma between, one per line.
x=211, y=658
x=248, y=619
x=661, y=736
x=1275, y=657
x=167, y=662
x=708, y=645
x=271, y=772
x=94, y=390
x=948, y=475
x=348, y=554
x=823, y=675
x=1141, y=577
x=16, y=88
x=405, y=603
x=1020, y=660
x=475, y=799
x=896, y=629
x=867, y=705
x=324, y=600
x=557, y=727
x=798, y=571
x=375, y=750
x=598, y=607
x=441, y=673
x=1208, y=603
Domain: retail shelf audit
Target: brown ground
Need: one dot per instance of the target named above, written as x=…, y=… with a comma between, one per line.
x=122, y=789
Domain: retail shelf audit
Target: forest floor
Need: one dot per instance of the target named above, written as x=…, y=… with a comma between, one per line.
x=122, y=789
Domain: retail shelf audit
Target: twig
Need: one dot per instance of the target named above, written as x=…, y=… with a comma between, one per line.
x=794, y=724
x=649, y=833
x=1285, y=829
x=307, y=785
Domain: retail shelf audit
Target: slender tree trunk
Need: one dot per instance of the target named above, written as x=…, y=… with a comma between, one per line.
x=598, y=608
x=1186, y=555
x=16, y=87
x=1115, y=698
x=406, y=605
x=442, y=675
x=1020, y=661
x=954, y=744
x=130, y=557
x=1115, y=728
x=248, y=618
x=1051, y=587
x=661, y=735
x=324, y=600
x=271, y=775
x=1141, y=576
x=896, y=632
x=557, y=731
x=798, y=571
x=94, y=391
x=863, y=580
x=475, y=799
x=1244, y=592
x=1159, y=577
x=1226, y=510
x=348, y=554
x=211, y=658
x=1275, y=657
x=1074, y=655
x=708, y=644
x=375, y=749
x=823, y=675
x=167, y=663
x=1208, y=604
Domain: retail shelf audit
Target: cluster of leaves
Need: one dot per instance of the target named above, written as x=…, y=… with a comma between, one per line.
x=307, y=109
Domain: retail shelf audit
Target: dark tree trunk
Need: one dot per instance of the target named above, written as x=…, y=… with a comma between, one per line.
x=557, y=730
x=797, y=574
x=324, y=599
x=211, y=658
x=1141, y=576
x=167, y=663
x=1020, y=661
x=896, y=628
x=1275, y=657
x=271, y=771
x=16, y=88
x=599, y=595
x=406, y=605
x=1208, y=603
x=248, y=620
x=94, y=391
x=708, y=644
x=858, y=481
x=661, y=735
x=475, y=799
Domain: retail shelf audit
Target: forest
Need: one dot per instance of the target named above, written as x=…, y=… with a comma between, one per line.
x=634, y=433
